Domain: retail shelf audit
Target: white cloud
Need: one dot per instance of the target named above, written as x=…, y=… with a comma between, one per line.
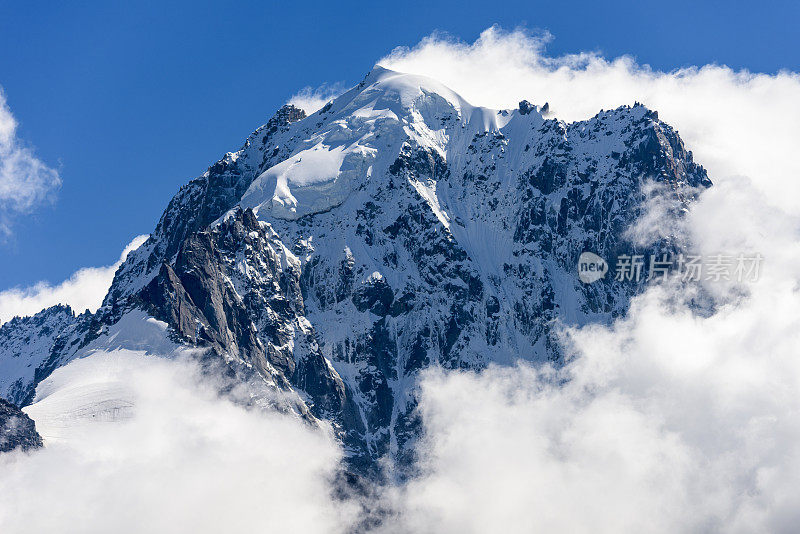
x=664, y=421
x=25, y=181
x=142, y=444
x=667, y=422
x=311, y=100
x=85, y=289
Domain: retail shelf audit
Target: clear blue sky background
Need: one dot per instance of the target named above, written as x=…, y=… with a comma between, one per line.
x=130, y=102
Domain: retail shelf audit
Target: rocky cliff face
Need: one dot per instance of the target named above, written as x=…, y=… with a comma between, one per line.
x=17, y=430
x=339, y=255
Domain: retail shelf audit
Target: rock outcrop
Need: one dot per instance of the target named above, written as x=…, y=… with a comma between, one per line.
x=17, y=430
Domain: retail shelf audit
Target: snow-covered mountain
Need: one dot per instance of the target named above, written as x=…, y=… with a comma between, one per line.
x=336, y=255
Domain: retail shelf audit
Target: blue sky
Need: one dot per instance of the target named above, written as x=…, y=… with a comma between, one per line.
x=130, y=102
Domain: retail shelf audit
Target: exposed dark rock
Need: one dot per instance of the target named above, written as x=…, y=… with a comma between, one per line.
x=526, y=107
x=17, y=430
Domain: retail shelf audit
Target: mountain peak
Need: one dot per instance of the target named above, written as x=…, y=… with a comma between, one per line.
x=336, y=256
x=361, y=134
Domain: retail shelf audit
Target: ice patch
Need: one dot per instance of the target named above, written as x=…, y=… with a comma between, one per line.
x=313, y=180
x=135, y=331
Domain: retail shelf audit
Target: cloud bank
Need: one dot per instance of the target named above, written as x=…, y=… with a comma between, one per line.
x=143, y=444
x=25, y=181
x=665, y=420
x=85, y=289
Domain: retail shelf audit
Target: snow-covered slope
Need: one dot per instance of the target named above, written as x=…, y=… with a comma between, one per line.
x=31, y=347
x=337, y=255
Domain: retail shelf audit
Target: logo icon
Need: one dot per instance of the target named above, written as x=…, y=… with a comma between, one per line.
x=591, y=267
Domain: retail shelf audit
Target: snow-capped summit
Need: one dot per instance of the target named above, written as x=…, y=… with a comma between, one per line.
x=336, y=255
x=360, y=133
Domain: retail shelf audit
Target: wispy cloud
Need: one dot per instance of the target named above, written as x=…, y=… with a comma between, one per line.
x=85, y=289
x=25, y=181
x=311, y=100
